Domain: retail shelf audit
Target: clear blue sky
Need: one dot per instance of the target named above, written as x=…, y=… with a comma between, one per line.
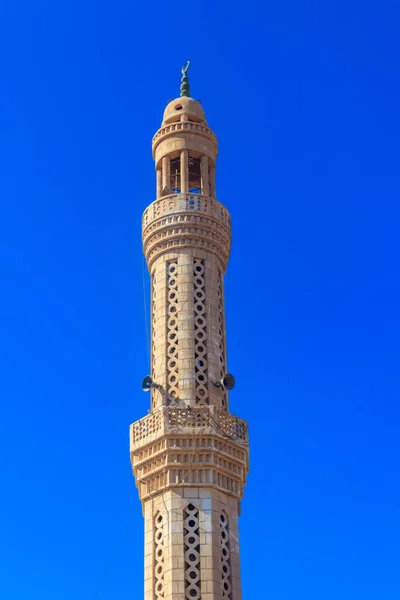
x=304, y=97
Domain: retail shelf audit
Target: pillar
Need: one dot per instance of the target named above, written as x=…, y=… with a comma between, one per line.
x=165, y=172
x=212, y=182
x=205, y=187
x=184, y=172
x=158, y=183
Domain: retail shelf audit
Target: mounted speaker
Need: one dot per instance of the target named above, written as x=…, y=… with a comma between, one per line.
x=228, y=382
x=148, y=384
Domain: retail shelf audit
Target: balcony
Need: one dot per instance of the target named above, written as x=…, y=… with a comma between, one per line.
x=192, y=202
x=173, y=420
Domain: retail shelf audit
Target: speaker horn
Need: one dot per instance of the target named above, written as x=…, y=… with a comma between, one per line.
x=228, y=382
x=148, y=384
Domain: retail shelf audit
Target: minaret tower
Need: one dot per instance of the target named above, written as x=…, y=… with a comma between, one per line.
x=189, y=454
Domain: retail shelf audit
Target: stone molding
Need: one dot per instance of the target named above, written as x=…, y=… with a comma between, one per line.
x=185, y=127
x=186, y=220
x=182, y=446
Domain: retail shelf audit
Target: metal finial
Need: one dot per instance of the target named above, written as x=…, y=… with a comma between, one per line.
x=185, y=87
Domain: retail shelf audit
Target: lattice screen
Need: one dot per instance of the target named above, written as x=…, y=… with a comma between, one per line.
x=153, y=330
x=200, y=333
x=226, y=570
x=172, y=331
x=191, y=534
x=221, y=337
x=158, y=557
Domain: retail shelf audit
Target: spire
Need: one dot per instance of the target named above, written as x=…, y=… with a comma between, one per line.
x=185, y=87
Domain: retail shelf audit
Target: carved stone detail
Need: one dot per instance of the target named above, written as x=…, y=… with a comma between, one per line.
x=191, y=537
x=158, y=556
x=226, y=569
x=187, y=127
x=200, y=333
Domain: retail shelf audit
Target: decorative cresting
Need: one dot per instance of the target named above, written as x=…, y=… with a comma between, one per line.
x=191, y=538
x=158, y=556
x=172, y=332
x=226, y=570
x=200, y=333
x=181, y=221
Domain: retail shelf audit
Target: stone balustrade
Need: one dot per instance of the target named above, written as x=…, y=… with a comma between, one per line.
x=191, y=203
x=172, y=419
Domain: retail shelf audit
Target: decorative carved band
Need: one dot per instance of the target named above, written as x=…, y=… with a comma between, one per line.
x=186, y=231
x=192, y=203
x=201, y=457
x=188, y=127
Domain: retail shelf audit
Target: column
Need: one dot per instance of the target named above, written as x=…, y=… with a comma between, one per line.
x=165, y=172
x=212, y=182
x=184, y=172
x=205, y=188
x=159, y=183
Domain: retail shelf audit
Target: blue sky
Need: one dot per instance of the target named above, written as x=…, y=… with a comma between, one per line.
x=304, y=98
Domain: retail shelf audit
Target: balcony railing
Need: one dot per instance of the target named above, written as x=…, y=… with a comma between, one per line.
x=186, y=203
x=179, y=419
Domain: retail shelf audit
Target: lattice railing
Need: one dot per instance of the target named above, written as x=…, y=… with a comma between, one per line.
x=170, y=418
x=184, y=417
x=144, y=431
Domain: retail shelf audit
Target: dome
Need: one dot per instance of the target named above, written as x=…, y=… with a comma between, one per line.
x=184, y=106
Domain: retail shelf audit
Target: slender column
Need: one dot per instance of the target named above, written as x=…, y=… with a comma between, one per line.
x=205, y=188
x=212, y=182
x=165, y=172
x=159, y=183
x=184, y=172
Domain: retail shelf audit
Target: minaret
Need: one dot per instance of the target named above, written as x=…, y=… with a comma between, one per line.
x=189, y=454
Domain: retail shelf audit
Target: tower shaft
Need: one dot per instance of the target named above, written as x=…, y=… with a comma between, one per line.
x=189, y=454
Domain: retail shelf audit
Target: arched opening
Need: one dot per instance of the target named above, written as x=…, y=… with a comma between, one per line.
x=175, y=175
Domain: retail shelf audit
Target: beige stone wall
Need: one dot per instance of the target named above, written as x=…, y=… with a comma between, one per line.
x=176, y=569
x=188, y=328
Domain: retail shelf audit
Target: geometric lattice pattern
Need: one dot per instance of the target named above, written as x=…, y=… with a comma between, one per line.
x=191, y=534
x=200, y=333
x=221, y=338
x=153, y=334
x=226, y=570
x=158, y=557
x=172, y=331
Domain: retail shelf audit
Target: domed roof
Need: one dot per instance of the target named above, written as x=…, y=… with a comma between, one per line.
x=184, y=106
